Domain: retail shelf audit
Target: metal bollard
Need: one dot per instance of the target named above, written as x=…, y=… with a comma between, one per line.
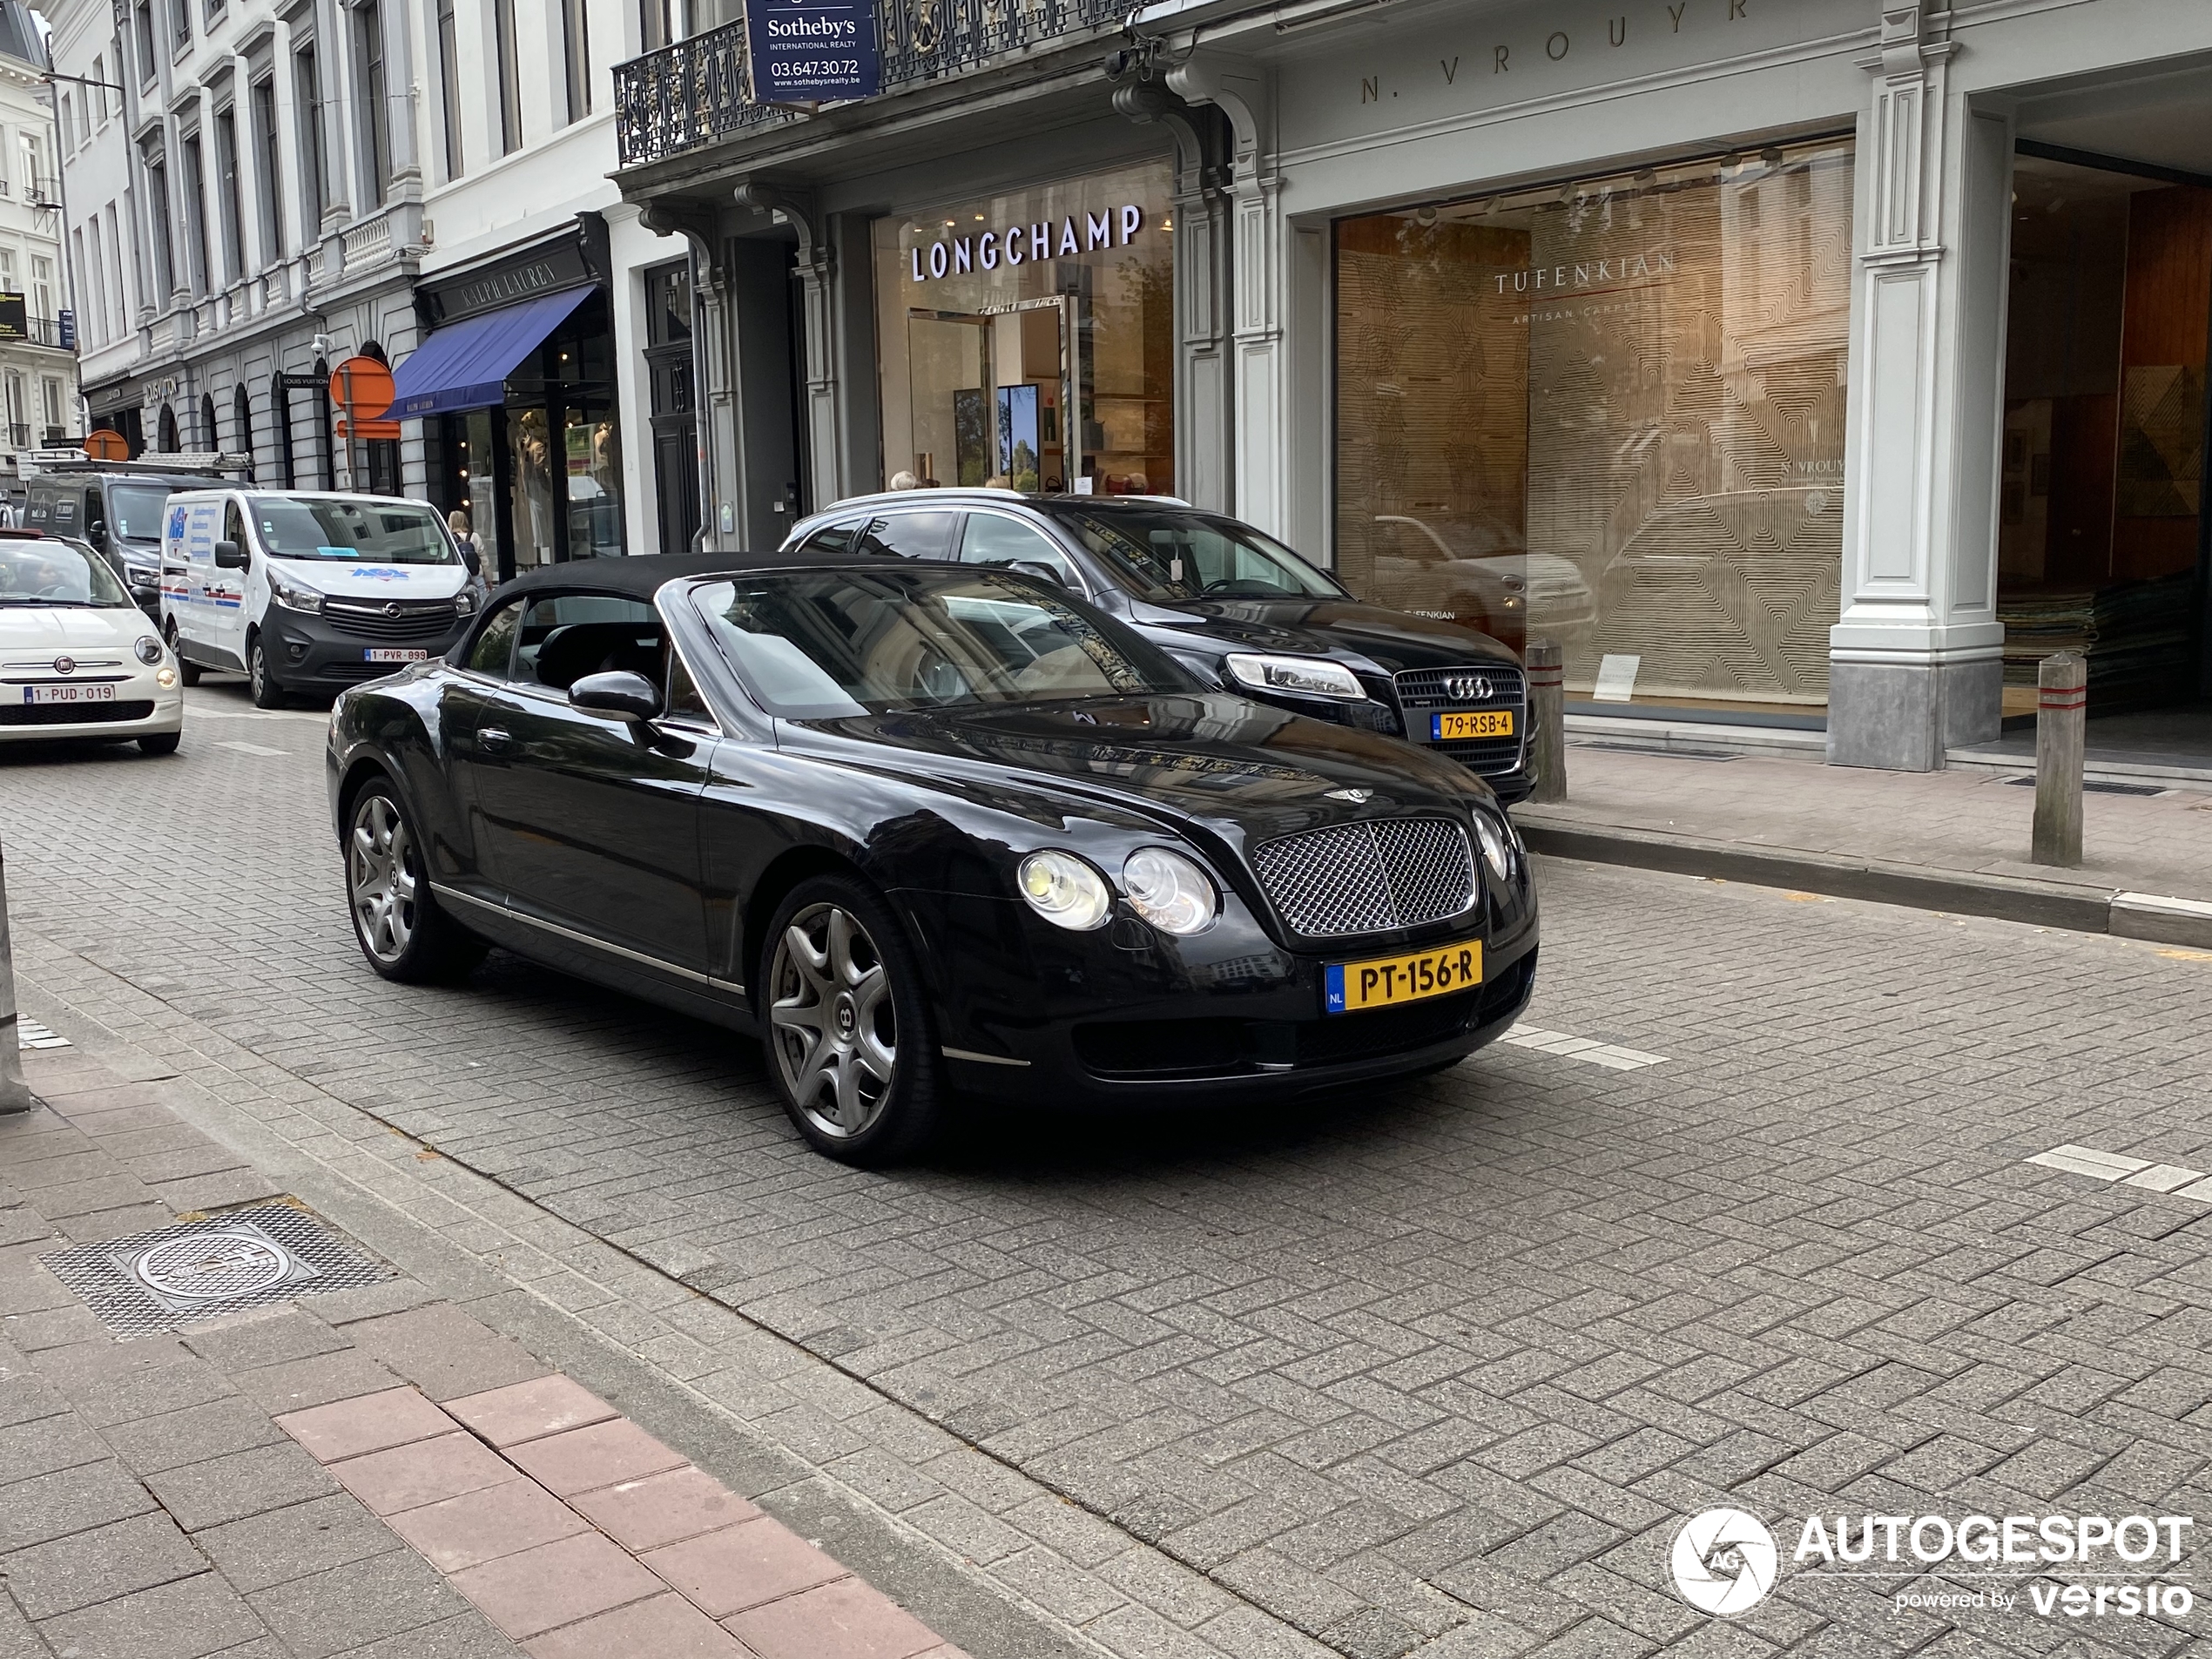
x=14, y=1094
x=2060, y=714
x=1546, y=719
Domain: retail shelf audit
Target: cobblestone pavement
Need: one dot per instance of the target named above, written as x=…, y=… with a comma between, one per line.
x=1435, y=1371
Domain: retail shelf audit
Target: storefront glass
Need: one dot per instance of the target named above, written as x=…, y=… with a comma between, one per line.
x=999, y=315
x=1610, y=416
x=553, y=448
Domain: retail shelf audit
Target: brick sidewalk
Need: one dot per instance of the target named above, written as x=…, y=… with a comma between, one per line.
x=1960, y=821
x=369, y=1472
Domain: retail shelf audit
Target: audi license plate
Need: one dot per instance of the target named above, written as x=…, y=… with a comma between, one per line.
x=1381, y=980
x=1459, y=727
x=69, y=694
x=391, y=654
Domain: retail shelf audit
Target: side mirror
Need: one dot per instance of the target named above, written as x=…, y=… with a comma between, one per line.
x=620, y=693
x=96, y=534
x=229, y=555
x=1039, y=569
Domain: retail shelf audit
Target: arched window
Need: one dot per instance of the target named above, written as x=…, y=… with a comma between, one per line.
x=207, y=438
x=370, y=348
x=242, y=424
x=166, y=429
x=280, y=413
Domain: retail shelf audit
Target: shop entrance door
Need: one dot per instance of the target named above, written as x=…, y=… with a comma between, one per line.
x=2102, y=543
x=991, y=390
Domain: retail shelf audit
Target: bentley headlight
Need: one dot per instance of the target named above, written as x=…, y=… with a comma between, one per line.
x=1065, y=890
x=293, y=596
x=1497, y=849
x=1307, y=676
x=149, y=650
x=1169, y=891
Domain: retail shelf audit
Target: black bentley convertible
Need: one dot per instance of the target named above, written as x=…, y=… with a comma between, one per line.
x=926, y=828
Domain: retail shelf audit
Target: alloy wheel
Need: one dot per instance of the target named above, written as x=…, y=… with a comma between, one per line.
x=381, y=877
x=832, y=1020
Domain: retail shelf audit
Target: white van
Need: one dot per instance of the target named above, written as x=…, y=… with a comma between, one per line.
x=310, y=593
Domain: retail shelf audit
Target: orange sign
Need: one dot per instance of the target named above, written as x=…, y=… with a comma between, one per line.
x=362, y=387
x=106, y=445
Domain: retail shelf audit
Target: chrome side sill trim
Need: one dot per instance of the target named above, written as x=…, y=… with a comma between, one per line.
x=589, y=939
x=981, y=1059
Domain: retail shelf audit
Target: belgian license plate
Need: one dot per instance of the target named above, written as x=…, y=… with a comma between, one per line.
x=390, y=654
x=69, y=694
x=1381, y=980
x=1459, y=727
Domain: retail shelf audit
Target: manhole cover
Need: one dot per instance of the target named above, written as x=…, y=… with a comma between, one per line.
x=201, y=1270
x=205, y=1267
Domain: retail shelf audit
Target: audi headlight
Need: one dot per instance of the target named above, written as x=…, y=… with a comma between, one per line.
x=1307, y=676
x=293, y=596
x=1497, y=847
x=1065, y=891
x=1169, y=891
x=149, y=650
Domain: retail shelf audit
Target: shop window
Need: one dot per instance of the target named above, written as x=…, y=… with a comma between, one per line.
x=1028, y=339
x=1611, y=415
x=369, y=69
x=509, y=69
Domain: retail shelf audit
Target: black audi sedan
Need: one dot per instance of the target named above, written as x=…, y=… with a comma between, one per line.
x=926, y=829
x=1240, y=611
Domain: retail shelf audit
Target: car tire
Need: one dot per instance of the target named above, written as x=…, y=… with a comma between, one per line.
x=267, y=694
x=401, y=931
x=160, y=742
x=187, y=670
x=852, y=1046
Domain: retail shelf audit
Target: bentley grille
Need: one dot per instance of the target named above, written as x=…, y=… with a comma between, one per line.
x=1369, y=878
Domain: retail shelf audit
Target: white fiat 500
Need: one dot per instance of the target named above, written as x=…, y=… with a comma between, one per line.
x=77, y=659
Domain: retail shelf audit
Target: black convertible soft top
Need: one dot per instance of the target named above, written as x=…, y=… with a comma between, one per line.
x=642, y=576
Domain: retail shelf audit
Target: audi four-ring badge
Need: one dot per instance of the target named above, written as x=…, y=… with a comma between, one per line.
x=926, y=830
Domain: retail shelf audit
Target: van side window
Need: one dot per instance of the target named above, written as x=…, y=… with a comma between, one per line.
x=94, y=518
x=494, y=646
x=234, y=527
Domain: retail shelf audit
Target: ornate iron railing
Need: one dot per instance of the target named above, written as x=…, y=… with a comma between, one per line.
x=688, y=95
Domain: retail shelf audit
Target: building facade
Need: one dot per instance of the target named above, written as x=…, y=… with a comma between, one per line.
x=261, y=189
x=1812, y=364
x=38, y=326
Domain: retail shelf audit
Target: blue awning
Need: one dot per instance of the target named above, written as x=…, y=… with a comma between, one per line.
x=465, y=365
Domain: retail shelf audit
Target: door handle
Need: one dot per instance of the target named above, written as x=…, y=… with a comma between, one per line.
x=492, y=739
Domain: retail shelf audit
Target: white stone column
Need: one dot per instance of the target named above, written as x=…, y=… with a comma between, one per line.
x=1915, y=663
x=1258, y=379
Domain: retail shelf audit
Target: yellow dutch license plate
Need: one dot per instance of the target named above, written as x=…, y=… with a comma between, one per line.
x=1381, y=980
x=1457, y=728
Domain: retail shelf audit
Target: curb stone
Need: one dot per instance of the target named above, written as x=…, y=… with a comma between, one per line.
x=2080, y=908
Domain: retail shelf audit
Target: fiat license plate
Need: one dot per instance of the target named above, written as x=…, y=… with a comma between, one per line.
x=69, y=694
x=391, y=654
x=1381, y=980
x=1459, y=727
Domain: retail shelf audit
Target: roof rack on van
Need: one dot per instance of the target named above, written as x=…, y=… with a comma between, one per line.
x=191, y=463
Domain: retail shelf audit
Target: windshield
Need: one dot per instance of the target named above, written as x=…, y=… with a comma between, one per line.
x=388, y=532
x=1172, y=557
x=50, y=572
x=136, y=509
x=818, y=645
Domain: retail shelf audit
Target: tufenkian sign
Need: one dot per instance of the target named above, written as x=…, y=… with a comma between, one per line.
x=1075, y=235
x=812, y=51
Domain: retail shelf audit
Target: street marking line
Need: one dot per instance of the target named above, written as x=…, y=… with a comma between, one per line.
x=250, y=748
x=1611, y=1055
x=2127, y=1171
x=31, y=1034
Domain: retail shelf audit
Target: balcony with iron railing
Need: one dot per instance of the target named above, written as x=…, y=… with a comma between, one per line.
x=699, y=91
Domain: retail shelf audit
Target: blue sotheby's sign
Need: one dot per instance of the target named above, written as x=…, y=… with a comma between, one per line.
x=811, y=51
